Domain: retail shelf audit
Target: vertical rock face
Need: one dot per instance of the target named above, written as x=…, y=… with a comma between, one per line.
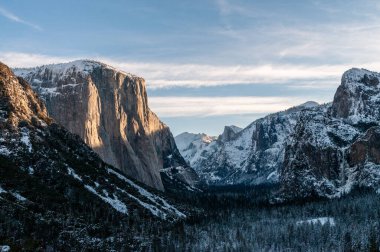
x=109, y=110
x=316, y=154
x=229, y=133
x=366, y=149
x=49, y=175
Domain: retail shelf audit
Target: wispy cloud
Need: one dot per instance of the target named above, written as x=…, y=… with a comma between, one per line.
x=159, y=75
x=16, y=59
x=227, y=8
x=231, y=9
x=11, y=16
x=216, y=106
x=164, y=75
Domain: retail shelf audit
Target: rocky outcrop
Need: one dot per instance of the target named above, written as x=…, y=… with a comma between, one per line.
x=50, y=178
x=18, y=102
x=335, y=147
x=109, y=110
x=357, y=99
x=366, y=149
x=229, y=133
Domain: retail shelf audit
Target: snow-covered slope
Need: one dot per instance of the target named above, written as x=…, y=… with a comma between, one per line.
x=192, y=145
x=253, y=155
x=336, y=147
x=311, y=150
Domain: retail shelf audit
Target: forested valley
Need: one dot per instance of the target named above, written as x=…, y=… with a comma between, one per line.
x=243, y=219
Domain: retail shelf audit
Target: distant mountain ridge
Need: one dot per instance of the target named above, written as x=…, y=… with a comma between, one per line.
x=253, y=155
x=109, y=110
x=309, y=150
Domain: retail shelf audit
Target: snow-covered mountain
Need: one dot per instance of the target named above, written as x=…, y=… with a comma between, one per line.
x=50, y=178
x=311, y=150
x=108, y=109
x=192, y=145
x=336, y=147
x=253, y=155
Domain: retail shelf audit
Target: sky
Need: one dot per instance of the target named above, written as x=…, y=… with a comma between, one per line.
x=207, y=63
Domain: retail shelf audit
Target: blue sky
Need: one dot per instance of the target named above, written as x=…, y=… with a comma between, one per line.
x=207, y=63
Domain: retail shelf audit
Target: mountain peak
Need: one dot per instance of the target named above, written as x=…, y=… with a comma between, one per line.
x=356, y=74
x=234, y=128
x=357, y=96
x=229, y=132
x=306, y=105
x=309, y=104
x=4, y=70
x=18, y=101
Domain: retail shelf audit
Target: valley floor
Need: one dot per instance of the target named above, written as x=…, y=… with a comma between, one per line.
x=351, y=223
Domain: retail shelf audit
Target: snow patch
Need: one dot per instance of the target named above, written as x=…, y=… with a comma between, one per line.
x=321, y=220
x=71, y=172
x=30, y=170
x=25, y=139
x=114, y=202
x=4, y=151
x=153, y=198
x=213, y=177
x=18, y=196
x=5, y=248
x=71, y=85
x=153, y=209
x=2, y=190
x=14, y=194
x=273, y=175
